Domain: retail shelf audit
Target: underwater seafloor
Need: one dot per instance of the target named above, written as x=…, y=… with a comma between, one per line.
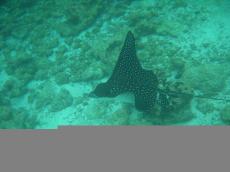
x=53, y=53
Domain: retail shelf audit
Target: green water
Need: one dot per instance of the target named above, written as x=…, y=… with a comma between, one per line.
x=53, y=53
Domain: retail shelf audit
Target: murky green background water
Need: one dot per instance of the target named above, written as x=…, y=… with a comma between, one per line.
x=53, y=53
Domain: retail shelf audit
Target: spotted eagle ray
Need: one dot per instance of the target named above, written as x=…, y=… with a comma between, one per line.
x=129, y=76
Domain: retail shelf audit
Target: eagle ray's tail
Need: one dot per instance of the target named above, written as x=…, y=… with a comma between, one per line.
x=205, y=96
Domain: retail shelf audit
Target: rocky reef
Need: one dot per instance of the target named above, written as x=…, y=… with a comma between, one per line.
x=49, y=48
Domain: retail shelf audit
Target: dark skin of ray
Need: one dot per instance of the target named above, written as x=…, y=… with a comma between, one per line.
x=129, y=76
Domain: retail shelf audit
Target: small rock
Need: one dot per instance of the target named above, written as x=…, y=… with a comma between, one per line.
x=225, y=114
x=5, y=113
x=63, y=100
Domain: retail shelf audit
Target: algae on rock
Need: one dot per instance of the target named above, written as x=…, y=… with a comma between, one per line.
x=61, y=101
x=13, y=88
x=11, y=118
x=225, y=114
x=208, y=78
x=23, y=67
x=47, y=97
